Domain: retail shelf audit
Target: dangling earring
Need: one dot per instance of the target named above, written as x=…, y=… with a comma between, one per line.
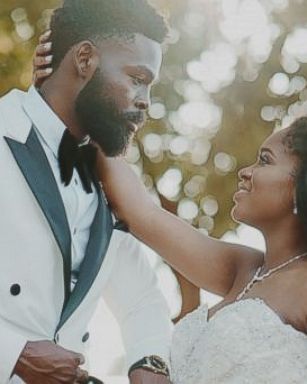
x=294, y=206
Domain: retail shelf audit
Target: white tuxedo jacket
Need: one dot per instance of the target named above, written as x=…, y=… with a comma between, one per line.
x=35, y=261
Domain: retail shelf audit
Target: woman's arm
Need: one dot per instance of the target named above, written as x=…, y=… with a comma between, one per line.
x=208, y=263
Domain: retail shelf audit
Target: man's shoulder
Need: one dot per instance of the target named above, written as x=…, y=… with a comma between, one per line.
x=123, y=252
x=125, y=243
x=12, y=114
x=124, y=239
x=15, y=97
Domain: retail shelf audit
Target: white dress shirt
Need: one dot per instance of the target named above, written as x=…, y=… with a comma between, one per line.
x=80, y=206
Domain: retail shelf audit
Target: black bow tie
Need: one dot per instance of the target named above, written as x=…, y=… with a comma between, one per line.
x=81, y=156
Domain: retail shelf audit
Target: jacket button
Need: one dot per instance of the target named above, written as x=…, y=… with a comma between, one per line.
x=15, y=289
x=85, y=337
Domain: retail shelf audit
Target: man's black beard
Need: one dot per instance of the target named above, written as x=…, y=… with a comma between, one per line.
x=100, y=118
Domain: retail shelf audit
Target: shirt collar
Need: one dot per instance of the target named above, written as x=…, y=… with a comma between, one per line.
x=49, y=125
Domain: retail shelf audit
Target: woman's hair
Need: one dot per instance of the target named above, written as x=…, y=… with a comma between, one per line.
x=79, y=20
x=296, y=141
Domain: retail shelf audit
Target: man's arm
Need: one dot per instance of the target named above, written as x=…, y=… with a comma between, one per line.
x=12, y=344
x=134, y=298
x=140, y=376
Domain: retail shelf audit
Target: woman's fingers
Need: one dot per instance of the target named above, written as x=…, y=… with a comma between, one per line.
x=44, y=38
x=41, y=74
x=42, y=61
x=43, y=49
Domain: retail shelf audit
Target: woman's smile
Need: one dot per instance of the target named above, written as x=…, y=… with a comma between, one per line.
x=242, y=190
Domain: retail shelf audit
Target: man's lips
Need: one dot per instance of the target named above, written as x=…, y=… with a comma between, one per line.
x=134, y=125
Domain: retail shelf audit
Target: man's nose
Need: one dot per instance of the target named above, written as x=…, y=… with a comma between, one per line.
x=142, y=101
x=142, y=104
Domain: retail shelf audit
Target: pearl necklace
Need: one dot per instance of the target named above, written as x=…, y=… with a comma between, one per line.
x=258, y=278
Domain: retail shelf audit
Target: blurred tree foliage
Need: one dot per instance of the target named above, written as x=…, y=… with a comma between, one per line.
x=21, y=22
x=241, y=129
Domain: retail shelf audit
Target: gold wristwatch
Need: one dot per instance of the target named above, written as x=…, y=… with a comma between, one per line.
x=153, y=364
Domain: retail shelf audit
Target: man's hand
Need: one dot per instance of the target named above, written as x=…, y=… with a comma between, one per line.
x=45, y=362
x=141, y=376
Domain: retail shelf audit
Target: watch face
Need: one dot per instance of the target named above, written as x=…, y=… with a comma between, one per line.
x=151, y=363
x=157, y=363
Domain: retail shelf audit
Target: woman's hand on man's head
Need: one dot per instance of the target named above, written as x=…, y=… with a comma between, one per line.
x=42, y=61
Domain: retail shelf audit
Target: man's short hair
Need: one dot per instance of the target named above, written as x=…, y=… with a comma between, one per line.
x=79, y=20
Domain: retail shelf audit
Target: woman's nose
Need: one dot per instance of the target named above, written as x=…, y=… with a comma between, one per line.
x=245, y=173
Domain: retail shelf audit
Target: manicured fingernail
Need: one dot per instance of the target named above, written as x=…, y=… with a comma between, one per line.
x=49, y=70
x=49, y=58
x=47, y=33
x=48, y=46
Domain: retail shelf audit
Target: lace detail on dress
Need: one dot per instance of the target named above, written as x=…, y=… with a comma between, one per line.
x=187, y=332
x=243, y=343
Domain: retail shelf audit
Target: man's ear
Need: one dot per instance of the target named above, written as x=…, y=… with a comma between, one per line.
x=86, y=59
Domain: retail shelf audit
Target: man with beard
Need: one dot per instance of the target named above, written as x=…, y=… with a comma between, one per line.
x=59, y=250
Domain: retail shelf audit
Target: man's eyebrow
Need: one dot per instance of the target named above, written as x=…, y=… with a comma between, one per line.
x=141, y=68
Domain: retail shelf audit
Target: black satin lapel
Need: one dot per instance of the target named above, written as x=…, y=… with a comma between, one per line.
x=35, y=167
x=100, y=236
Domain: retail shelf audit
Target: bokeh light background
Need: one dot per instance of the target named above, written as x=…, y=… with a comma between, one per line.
x=234, y=71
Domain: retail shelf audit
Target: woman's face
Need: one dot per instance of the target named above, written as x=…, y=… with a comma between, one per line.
x=266, y=189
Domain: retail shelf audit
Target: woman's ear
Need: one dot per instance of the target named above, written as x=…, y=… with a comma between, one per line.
x=86, y=59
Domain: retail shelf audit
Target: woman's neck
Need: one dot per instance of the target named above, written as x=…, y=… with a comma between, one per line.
x=283, y=243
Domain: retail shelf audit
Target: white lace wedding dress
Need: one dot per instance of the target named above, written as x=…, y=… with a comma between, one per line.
x=243, y=343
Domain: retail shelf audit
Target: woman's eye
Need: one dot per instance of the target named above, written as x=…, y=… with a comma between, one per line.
x=263, y=160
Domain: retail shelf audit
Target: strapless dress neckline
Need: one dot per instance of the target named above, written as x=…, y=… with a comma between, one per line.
x=258, y=300
x=243, y=342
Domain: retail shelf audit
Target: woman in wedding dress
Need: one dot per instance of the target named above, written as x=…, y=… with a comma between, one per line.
x=257, y=334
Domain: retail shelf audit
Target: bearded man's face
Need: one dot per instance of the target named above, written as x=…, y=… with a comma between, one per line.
x=112, y=106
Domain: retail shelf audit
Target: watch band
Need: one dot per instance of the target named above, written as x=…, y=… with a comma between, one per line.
x=153, y=364
x=93, y=380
